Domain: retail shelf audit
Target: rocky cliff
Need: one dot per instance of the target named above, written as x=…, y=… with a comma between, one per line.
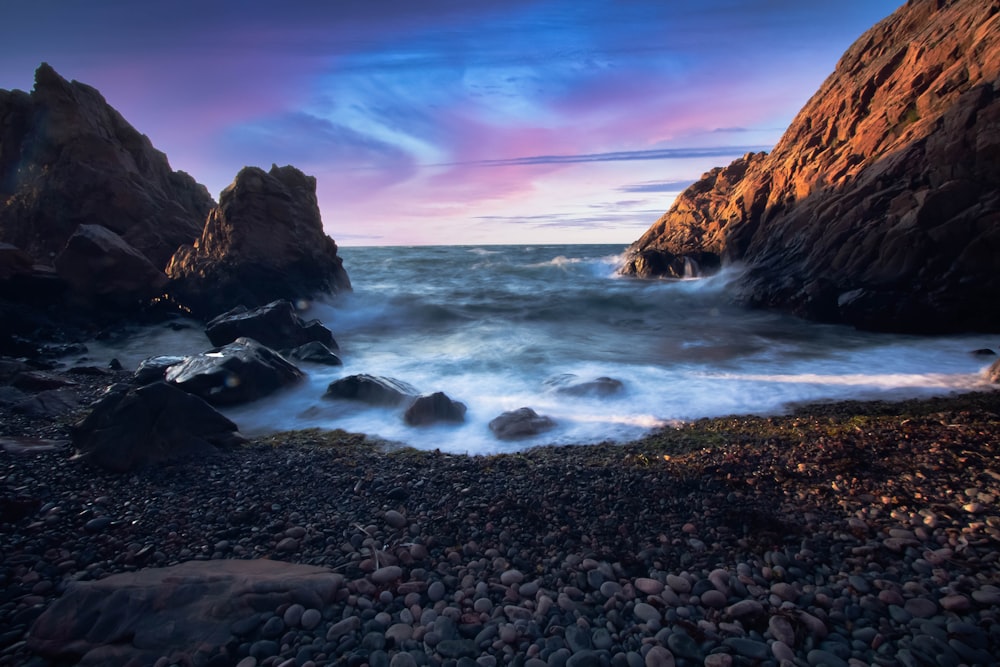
x=264, y=242
x=67, y=158
x=880, y=205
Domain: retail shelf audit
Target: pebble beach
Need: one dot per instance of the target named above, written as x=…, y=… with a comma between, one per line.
x=840, y=534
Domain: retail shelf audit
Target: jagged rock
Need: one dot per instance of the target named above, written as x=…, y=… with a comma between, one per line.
x=520, y=423
x=275, y=325
x=68, y=159
x=136, y=427
x=880, y=205
x=185, y=612
x=239, y=372
x=571, y=385
x=431, y=408
x=314, y=352
x=264, y=242
x=101, y=269
x=154, y=369
x=371, y=389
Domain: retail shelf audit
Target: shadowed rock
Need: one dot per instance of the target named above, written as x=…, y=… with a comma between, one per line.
x=880, y=205
x=571, y=385
x=520, y=423
x=136, y=427
x=275, y=325
x=264, y=242
x=154, y=369
x=371, y=389
x=431, y=408
x=314, y=352
x=239, y=372
x=187, y=612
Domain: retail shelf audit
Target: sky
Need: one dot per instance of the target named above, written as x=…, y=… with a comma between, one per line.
x=450, y=121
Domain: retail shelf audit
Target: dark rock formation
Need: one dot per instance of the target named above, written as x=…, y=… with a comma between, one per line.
x=264, y=242
x=239, y=372
x=520, y=423
x=154, y=369
x=432, y=408
x=315, y=353
x=135, y=427
x=880, y=206
x=275, y=325
x=371, y=389
x=571, y=385
x=186, y=613
x=68, y=159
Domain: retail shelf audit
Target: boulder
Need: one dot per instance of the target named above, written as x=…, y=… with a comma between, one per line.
x=68, y=159
x=264, y=241
x=520, y=423
x=275, y=325
x=101, y=269
x=571, y=385
x=239, y=372
x=154, y=369
x=880, y=206
x=371, y=389
x=432, y=408
x=188, y=613
x=315, y=353
x=132, y=428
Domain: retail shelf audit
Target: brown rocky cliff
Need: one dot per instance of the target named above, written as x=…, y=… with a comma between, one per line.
x=880, y=205
x=263, y=242
x=67, y=158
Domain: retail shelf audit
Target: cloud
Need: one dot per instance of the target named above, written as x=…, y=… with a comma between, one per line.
x=656, y=186
x=613, y=156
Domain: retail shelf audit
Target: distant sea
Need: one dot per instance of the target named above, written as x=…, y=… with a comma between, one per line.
x=492, y=327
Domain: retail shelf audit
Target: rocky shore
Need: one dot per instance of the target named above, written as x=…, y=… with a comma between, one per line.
x=863, y=533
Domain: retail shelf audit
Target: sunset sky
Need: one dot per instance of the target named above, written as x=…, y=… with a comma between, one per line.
x=451, y=121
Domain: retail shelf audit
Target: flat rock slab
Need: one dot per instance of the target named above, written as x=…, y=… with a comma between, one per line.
x=138, y=617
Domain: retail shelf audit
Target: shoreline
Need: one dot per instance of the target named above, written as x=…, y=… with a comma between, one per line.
x=879, y=519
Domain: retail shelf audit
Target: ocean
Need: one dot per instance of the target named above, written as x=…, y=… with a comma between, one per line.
x=497, y=326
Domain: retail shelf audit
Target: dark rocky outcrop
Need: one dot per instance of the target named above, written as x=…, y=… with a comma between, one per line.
x=239, y=372
x=314, y=353
x=275, y=325
x=68, y=159
x=264, y=242
x=880, y=205
x=432, y=408
x=371, y=389
x=520, y=423
x=186, y=613
x=136, y=427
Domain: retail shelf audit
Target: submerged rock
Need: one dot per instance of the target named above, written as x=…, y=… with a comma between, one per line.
x=520, y=423
x=571, y=385
x=432, y=408
x=372, y=389
x=136, y=427
x=275, y=325
x=239, y=372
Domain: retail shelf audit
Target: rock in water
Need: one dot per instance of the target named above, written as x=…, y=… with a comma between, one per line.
x=136, y=427
x=432, y=408
x=571, y=385
x=68, y=159
x=264, y=242
x=880, y=205
x=239, y=372
x=371, y=389
x=314, y=352
x=275, y=325
x=520, y=423
x=177, y=612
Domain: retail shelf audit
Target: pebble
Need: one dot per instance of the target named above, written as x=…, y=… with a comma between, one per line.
x=648, y=586
x=920, y=607
x=646, y=612
x=745, y=609
x=311, y=618
x=659, y=656
x=781, y=629
x=821, y=658
x=394, y=519
x=387, y=574
x=714, y=599
x=748, y=648
x=293, y=615
x=288, y=544
x=511, y=577
x=678, y=584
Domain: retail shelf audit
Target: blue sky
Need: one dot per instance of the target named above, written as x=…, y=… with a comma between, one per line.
x=451, y=121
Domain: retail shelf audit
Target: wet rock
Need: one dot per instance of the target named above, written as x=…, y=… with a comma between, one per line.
x=275, y=325
x=371, y=389
x=571, y=385
x=154, y=369
x=520, y=423
x=314, y=353
x=239, y=372
x=432, y=408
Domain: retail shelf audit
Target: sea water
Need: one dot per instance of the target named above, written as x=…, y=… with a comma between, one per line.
x=493, y=326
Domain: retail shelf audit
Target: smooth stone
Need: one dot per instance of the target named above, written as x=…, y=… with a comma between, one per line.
x=387, y=574
x=678, y=584
x=859, y=583
x=602, y=639
x=273, y=628
x=785, y=591
x=956, y=602
x=646, y=612
x=436, y=591
x=748, y=648
x=609, y=589
x=782, y=652
x=745, y=609
x=510, y=577
x=311, y=618
x=987, y=595
x=648, y=586
x=719, y=660
x=577, y=638
x=921, y=607
x=659, y=657
x=399, y=632
x=293, y=615
x=456, y=648
x=714, y=599
x=781, y=629
x=403, y=660
x=395, y=519
x=344, y=627
x=818, y=657
x=682, y=646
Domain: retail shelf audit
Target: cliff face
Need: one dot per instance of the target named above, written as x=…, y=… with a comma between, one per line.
x=264, y=241
x=67, y=159
x=880, y=205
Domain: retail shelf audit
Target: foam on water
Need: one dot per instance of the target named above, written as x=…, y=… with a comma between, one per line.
x=489, y=326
